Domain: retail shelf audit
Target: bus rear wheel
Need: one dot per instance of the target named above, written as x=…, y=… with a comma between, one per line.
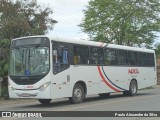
x=133, y=88
x=78, y=94
x=44, y=101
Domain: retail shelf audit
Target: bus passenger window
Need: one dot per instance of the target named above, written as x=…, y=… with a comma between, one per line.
x=133, y=58
x=96, y=55
x=56, y=62
x=76, y=60
x=65, y=57
x=110, y=57
x=142, y=59
x=122, y=57
x=81, y=54
x=60, y=59
x=150, y=59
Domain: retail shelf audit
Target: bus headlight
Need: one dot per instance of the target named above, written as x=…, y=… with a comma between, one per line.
x=11, y=87
x=44, y=86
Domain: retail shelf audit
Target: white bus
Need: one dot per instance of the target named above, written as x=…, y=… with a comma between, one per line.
x=47, y=68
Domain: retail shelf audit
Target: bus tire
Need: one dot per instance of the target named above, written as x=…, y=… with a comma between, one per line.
x=44, y=101
x=78, y=94
x=104, y=95
x=133, y=88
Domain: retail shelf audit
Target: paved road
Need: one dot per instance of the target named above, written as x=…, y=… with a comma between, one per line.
x=146, y=100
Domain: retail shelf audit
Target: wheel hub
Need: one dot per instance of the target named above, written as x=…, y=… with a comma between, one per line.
x=133, y=88
x=78, y=93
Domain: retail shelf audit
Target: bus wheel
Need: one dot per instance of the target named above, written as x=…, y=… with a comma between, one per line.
x=104, y=95
x=133, y=88
x=44, y=101
x=78, y=94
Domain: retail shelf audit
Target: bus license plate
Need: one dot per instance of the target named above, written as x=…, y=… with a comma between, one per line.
x=25, y=95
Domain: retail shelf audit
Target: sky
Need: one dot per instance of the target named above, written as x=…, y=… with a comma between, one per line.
x=69, y=15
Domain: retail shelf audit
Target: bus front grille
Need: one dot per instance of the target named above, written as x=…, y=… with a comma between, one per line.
x=26, y=80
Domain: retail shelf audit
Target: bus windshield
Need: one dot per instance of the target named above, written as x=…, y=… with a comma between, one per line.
x=29, y=59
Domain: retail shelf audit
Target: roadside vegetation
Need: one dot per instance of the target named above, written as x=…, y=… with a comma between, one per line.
x=20, y=18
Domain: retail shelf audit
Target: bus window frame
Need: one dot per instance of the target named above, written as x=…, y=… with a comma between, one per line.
x=62, y=48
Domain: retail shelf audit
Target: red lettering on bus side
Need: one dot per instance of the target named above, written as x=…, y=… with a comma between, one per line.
x=137, y=71
x=133, y=71
x=129, y=71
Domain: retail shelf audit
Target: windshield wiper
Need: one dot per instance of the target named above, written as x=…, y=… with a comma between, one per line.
x=22, y=56
x=29, y=57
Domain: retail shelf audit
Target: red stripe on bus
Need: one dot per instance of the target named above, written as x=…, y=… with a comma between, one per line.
x=100, y=73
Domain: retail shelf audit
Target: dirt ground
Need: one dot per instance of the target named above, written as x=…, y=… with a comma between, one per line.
x=15, y=101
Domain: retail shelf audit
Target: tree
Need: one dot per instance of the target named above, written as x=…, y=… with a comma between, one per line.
x=20, y=18
x=126, y=22
x=23, y=18
x=4, y=56
x=157, y=50
x=4, y=63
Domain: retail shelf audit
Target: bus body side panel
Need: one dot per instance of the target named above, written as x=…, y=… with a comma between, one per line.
x=120, y=77
x=64, y=81
x=102, y=80
x=147, y=77
x=106, y=79
x=116, y=77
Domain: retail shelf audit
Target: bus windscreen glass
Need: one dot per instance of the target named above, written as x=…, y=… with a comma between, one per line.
x=29, y=57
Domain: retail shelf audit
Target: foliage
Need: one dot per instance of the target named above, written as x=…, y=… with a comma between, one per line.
x=125, y=22
x=157, y=50
x=4, y=57
x=23, y=18
x=4, y=64
x=20, y=18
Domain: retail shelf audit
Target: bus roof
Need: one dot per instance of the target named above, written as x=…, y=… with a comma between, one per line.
x=91, y=43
